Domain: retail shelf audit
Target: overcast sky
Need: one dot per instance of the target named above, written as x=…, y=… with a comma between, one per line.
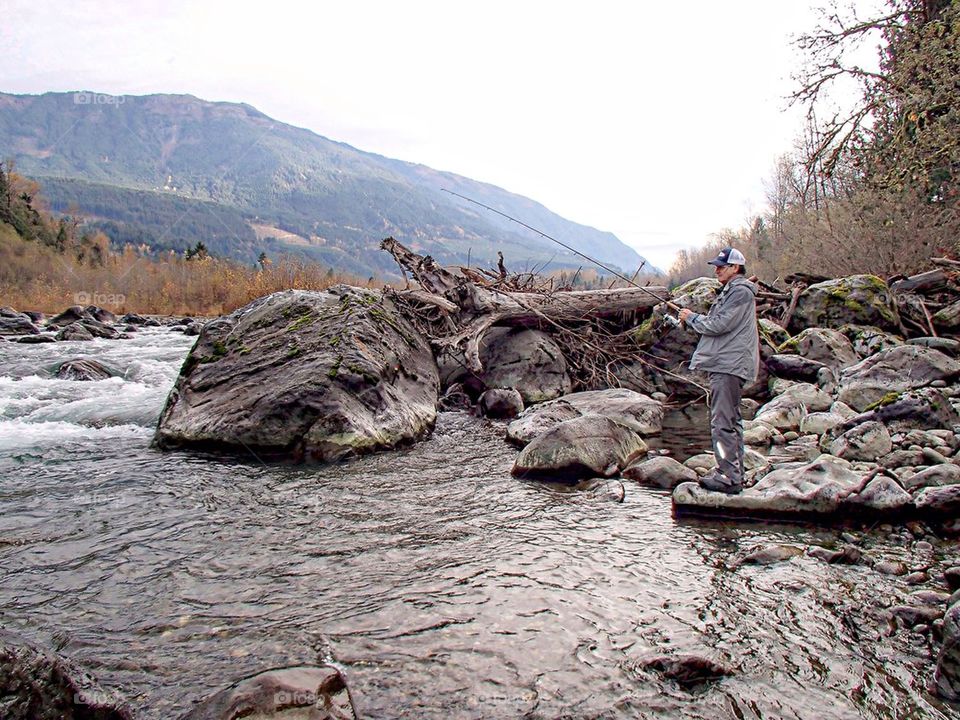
x=655, y=121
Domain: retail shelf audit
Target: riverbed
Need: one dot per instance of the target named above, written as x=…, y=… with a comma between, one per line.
x=441, y=586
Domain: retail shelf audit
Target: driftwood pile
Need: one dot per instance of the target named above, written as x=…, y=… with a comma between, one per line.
x=597, y=329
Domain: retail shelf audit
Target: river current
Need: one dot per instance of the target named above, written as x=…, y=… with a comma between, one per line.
x=440, y=585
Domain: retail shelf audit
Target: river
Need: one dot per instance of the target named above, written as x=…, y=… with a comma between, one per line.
x=439, y=584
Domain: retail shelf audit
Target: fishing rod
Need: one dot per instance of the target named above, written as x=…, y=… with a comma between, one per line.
x=672, y=306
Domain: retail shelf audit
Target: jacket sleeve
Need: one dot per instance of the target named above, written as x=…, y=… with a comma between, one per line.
x=729, y=314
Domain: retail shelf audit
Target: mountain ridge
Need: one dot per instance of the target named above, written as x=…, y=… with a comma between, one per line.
x=148, y=167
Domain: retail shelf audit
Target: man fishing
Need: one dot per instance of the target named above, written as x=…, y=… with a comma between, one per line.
x=729, y=352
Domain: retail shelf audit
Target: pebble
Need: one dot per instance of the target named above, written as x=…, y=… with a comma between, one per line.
x=952, y=577
x=890, y=567
x=916, y=578
x=849, y=538
x=923, y=546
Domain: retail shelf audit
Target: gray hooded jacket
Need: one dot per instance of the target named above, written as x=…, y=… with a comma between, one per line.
x=729, y=341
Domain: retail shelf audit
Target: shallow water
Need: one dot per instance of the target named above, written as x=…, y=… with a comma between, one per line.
x=439, y=584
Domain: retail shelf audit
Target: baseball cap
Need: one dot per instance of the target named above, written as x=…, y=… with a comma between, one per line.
x=728, y=256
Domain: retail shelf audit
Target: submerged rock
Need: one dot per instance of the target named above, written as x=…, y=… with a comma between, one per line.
x=640, y=413
x=306, y=376
x=83, y=369
x=686, y=669
x=588, y=446
x=299, y=693
x=39, y=685
x=500, y=403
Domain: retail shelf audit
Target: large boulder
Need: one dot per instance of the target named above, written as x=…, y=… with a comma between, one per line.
x=526, y=360
x=824, y=345
x=305, y=376
x=585, y=447
x=827, y=487
x=894, y=371
x=855, y=300
x=15, y=323
x=39, y=685
x=631, y=409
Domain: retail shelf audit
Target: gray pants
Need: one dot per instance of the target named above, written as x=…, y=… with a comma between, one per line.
x=726, y=425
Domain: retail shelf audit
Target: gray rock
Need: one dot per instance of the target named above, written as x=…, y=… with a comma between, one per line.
x=39, y=685
x=638, y=412
x=771, y=554
x=748, y=408
x=901, y=458
x=946, y=678
x=847, y=555
x=298, y=693
x=881, y=495
x=948, y=346
x=817, y=488
x=100, y=314
x=939, y=500
x=891, y=567
x=36, y=339
x=588, y=446
x=869, y=341
x=843, y=410
x=133, y=319
x=795, y=367
x=824, y=345
x=867, y=441
x=925, y=408
x=83, y=369
x=74, y=332
x=783, y=413
x=500, y=403
x=758, y=433
x=17, y=324
x=818, y=423
x=527, y=360
x=686, y=670
x=774, y=334
x=660, y=472
x=855, y=300
x=892, y=371
x=911, y=615
x=76, y=313
x=304, y=375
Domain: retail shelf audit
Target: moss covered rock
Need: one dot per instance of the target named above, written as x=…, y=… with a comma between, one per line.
x=305, y=376
x=854, y=300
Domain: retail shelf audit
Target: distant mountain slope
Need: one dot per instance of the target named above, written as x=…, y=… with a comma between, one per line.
x=169, y=170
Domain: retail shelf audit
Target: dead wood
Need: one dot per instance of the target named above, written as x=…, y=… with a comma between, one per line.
x=455, y=308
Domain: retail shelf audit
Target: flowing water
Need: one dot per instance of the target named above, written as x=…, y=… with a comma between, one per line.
x=439, y=584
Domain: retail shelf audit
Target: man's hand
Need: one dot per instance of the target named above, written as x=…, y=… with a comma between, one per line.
x=685, y=314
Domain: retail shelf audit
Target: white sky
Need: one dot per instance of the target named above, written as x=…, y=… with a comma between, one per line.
x=655, y=121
